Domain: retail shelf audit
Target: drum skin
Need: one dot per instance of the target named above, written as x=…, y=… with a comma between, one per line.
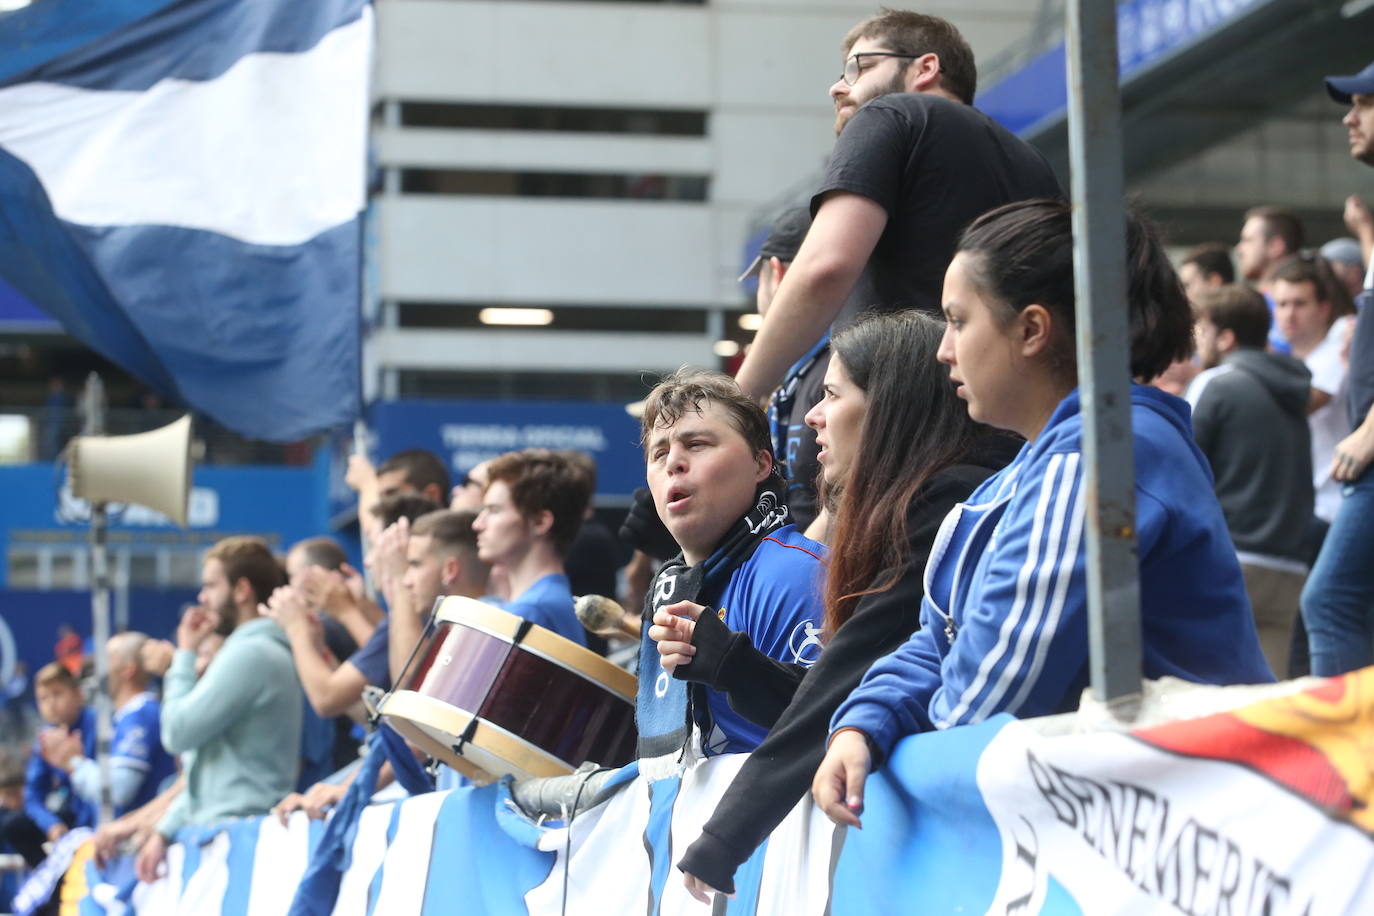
x=545, y=691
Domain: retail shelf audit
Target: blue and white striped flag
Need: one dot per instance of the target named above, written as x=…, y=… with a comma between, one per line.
x=181, y=185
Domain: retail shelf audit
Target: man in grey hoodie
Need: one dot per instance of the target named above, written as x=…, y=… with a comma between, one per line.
x=1250, y=420
x=239, y=726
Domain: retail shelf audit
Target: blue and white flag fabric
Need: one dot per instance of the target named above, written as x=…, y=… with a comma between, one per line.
x=181, y=186
x=39, y=887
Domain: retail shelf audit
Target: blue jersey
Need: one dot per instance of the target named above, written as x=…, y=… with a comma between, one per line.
x=138, y=745
x=774, y=597
x=48, y=793
x=549, y=603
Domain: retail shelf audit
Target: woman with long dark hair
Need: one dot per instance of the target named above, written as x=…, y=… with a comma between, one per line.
x=901, y=450
x=1004, y=626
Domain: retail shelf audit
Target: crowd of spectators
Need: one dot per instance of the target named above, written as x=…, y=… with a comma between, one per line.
x=896, y=545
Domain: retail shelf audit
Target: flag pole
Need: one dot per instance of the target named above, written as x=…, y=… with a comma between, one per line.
x=94, y=425
x=1099, y=260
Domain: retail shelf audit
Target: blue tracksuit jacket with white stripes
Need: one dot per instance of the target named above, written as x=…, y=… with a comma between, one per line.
x=1004, y=621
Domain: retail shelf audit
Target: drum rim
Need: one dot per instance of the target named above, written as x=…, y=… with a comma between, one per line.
x=415, y=734
x=541, y=641
x=409, y=706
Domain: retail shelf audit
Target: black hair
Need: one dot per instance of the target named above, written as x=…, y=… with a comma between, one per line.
x=1307, y=266
x=1022, y=254
x=451, y=530
x=421, y=468
x=391, y=509
x=322, y=551
x=915, y=426
x=907, y=32
x=1240, y=310
x=1281, y=223
x=1212, y=259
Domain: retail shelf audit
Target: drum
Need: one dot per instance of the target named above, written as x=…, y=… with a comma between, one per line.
x=490, y=693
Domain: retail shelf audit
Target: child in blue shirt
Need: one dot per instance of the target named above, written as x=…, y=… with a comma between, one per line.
x=51, y=805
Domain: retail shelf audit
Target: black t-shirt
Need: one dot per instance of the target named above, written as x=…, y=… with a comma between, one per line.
x=593, y=560
x=934, y=165
x=592, y=564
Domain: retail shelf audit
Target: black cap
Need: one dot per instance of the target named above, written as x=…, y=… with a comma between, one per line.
x=783, y=239
x=1342, y=88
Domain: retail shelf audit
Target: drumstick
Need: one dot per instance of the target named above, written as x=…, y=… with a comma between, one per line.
x=605, y=617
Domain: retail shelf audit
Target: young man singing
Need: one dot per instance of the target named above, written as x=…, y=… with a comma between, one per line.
x=712, y=477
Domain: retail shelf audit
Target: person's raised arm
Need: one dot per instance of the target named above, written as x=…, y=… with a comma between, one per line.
x=695, y=645
x=362, y=478
x=843, y=234
x=330, y=591
x=389, y=558
x=781, y=769
x=1360, y=222
x=331, y=691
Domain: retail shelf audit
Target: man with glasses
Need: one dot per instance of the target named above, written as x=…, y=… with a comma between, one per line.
x=914, y=162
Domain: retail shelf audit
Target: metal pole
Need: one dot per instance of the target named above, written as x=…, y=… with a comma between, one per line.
x=360, y=449
x=1103, y=318
x=100, y=606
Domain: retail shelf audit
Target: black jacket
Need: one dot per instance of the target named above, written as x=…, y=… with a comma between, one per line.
x=1250, y=420
x=797, y=703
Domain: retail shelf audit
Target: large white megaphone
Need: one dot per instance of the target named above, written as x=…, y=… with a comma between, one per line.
x=151, y=469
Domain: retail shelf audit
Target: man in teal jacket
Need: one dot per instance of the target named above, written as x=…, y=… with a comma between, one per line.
x=239, y=726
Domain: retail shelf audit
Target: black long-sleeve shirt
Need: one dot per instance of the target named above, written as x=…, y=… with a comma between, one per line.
x=797, y=703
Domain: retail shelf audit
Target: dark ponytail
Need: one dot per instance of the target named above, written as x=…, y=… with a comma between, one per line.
x=1022, y=254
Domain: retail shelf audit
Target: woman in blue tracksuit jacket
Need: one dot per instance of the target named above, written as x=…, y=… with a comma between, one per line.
x=1004, y=619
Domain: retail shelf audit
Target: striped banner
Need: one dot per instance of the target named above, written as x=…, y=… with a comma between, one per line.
x=1263, y=809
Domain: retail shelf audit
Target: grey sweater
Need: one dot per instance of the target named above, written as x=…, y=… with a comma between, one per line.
x=1250, y=420
x=239, y=727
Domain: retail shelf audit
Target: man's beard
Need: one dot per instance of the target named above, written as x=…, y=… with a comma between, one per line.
x=845, y=112
x=228, y=617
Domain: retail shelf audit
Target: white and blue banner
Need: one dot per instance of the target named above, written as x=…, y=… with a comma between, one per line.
x=181, y=183
x=1264, y=809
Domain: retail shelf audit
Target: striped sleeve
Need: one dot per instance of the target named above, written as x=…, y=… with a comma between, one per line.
x=1022, y=637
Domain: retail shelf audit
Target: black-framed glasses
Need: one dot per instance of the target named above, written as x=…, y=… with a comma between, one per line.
x=853, y=69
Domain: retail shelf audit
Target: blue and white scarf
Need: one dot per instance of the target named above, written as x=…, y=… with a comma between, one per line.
x=664, y=710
